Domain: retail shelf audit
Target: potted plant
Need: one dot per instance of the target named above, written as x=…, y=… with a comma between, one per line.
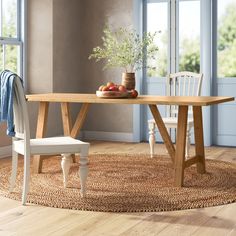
x=126, y=49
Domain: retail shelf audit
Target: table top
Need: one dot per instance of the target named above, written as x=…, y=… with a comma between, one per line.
x=141, y=99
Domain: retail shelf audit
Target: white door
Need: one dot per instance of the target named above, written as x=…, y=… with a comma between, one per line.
x=224, y=80
x=178, y=24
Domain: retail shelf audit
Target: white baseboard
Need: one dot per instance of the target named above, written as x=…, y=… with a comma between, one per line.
x=5, y=151
x=107, y=136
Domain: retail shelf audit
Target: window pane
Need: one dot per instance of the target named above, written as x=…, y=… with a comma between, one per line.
x=12, y=58
x=189, y=36
x=9, y=58
x=157, y=21
x=9, y=18
x=226, y=43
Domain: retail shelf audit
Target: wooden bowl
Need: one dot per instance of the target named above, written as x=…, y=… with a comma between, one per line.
x=112, y=94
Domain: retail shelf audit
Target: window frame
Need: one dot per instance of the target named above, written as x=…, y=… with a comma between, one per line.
x=169, y=26
x=215, y=35
x=19, y=39
x=173, y=32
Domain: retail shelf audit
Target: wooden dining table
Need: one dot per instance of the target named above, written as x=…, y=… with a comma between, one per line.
x=177, y=153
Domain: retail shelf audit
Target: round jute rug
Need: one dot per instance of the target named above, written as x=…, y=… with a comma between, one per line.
x=127, y=183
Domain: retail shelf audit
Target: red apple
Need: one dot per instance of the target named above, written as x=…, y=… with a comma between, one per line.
x=113, y=88
x=101, y=87
x=134, y=93
x=105, y=88
x=122, y=88
x=109, y=84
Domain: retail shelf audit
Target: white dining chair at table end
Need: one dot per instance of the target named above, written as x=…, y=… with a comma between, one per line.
x=22, y=144
x=178, y=84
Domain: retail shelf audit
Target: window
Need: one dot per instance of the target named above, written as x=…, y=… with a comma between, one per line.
x=157, y=21
x=10, y=36
x=178, y=24
x=226, y=43
x=189, y=36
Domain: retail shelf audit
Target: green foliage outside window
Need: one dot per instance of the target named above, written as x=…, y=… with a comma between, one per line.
x=227, y=43
x=160, y=64
x=9, y=31
x=190, y=56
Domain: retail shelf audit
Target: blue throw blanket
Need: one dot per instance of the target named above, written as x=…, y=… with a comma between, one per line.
x=6, y=100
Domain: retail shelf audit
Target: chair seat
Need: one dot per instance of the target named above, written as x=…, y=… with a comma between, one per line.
x=54, y=145
x=172, y=121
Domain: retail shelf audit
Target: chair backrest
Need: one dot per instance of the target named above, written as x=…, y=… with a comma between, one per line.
x=20, y=111
x=183, y=84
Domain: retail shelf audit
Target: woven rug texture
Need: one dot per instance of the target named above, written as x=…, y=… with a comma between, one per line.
x=126, y=183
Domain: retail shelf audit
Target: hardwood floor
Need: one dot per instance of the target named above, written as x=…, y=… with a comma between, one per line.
x=37, y=220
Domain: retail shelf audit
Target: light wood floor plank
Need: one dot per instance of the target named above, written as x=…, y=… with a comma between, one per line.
x=8, y=204
x=9, y=219
x=113, y=225
x=151, y=225
x=221, y=224
x=188, y=221
x=7, y=233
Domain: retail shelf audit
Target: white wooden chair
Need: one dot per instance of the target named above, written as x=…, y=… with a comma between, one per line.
x=179, y=84
x=22, y=144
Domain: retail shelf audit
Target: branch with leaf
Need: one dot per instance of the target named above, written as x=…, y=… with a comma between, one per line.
x=126, y=49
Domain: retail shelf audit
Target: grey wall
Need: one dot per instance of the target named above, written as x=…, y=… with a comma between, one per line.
x=108, y=118
x=66, y=45
x=40, y=57
x=66, y=50
x=40, y=46
x=61, y=35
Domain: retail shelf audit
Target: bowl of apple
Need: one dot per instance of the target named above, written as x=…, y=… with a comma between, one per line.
x=112, y=90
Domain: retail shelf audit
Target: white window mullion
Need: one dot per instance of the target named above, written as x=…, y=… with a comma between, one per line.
x=173, y=35
x=206, y=65
x=20, y=60
x=23, y=17
x=10, y=41
x=18, y=29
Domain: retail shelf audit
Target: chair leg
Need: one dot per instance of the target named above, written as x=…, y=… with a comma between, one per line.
x=26, y=178
x=83, y=173
x=65, y=165
x=187, y=148
x=14, y=170
x=152, y=140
